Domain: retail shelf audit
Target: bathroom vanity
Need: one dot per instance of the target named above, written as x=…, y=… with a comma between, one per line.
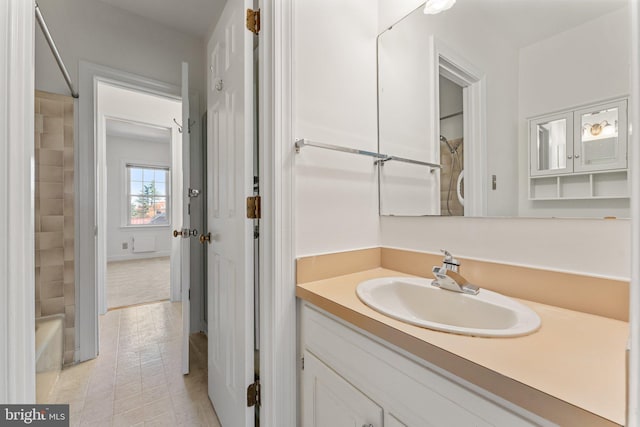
x=362, y=366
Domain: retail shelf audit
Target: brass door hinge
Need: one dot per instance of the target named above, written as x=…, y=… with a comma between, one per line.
x=253, y=20
x=253, y=394
x=253, y=207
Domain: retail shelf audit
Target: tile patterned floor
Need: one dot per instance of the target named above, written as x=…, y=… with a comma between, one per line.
x=138, y=281
x=136, y=380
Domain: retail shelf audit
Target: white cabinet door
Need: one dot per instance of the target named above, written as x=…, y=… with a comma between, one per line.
x=551, y=145
x=330, y=401
x=601, y=137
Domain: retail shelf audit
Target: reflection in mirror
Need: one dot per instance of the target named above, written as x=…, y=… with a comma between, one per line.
x=552, y=145
x=523, y=104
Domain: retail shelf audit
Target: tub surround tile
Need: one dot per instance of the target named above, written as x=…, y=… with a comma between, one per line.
x=52, y=257
x=50, y=158
x=51, y=290
x=70, y=316
x=47, y=175
x=50, y=107
x=68, y=250
x=68, y=159
x=50, y=274
x=53, y=222
x=68, y=182
x=52, y=306
x=51, y=207
x=53, y=125
x=50, y=190
x=49, y=240
x=68, y=137
x=51, y=141
x=68, y=114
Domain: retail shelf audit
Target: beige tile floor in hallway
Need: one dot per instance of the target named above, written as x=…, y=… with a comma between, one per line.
x=138, y=281
x=136, y=380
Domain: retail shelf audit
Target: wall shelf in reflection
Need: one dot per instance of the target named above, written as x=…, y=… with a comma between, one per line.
x=580, y=186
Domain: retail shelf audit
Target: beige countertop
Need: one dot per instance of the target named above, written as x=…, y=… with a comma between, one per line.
x=571, y=371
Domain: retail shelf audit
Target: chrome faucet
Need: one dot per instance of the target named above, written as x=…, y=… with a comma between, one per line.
x=449, y=262
x=447, y=276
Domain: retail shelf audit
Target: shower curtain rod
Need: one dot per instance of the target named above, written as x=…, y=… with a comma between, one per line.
x=54, y=50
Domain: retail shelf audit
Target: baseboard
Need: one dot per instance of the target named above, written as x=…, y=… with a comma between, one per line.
x=130, y=257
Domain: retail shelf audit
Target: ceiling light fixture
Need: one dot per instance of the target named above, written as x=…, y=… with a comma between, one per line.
x=433, y=7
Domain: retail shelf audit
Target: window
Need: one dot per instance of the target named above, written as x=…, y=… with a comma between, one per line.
x=148, y=195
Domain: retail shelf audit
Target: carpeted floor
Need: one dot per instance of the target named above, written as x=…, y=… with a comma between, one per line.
x=137, y=281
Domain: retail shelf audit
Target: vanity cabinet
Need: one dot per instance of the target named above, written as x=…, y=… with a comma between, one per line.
x=580, y=154
x=350, y=377
x=331, y=401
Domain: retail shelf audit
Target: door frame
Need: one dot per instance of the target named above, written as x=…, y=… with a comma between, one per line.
x=101, y=194
x=17, y=187
x=633, y=368
x=448, y=63
x=89, y=288
x=279, y=364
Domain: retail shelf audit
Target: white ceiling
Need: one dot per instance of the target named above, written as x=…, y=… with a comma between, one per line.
x=192, y=17
x=130, y=130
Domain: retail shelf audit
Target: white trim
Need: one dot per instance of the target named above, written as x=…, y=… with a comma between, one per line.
x=133, y=257
x=17, y=267
x=86, y=210
x=633, y=369
x=456, y=68
x=278, y=360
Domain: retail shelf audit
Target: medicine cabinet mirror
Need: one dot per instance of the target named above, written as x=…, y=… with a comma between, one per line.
x=523, y=104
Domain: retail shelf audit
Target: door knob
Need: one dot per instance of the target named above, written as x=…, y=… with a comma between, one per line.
x=177, y=233
x=205, y=238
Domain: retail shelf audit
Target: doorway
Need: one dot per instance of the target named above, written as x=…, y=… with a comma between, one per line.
x=463, y=86
x=136, y=136
x=92, y=177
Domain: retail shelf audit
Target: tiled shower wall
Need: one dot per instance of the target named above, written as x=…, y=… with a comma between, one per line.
x=445, y=176
x=54, y=209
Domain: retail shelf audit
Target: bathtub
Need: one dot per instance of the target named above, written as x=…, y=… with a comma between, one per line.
x=49, y=353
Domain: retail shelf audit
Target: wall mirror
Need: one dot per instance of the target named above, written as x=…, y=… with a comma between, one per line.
x=522, y=103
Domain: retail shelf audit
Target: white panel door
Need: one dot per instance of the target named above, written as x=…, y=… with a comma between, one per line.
x=185, y=279
x=330, y=401
x=229, y=182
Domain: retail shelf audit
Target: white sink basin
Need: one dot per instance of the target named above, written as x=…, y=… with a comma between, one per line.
x=414, y=300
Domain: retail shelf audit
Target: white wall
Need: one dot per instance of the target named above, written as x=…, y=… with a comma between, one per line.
x=451, y=103
x=586, y=64
x=121, y=151
x=97, y=32
x=335, y=102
